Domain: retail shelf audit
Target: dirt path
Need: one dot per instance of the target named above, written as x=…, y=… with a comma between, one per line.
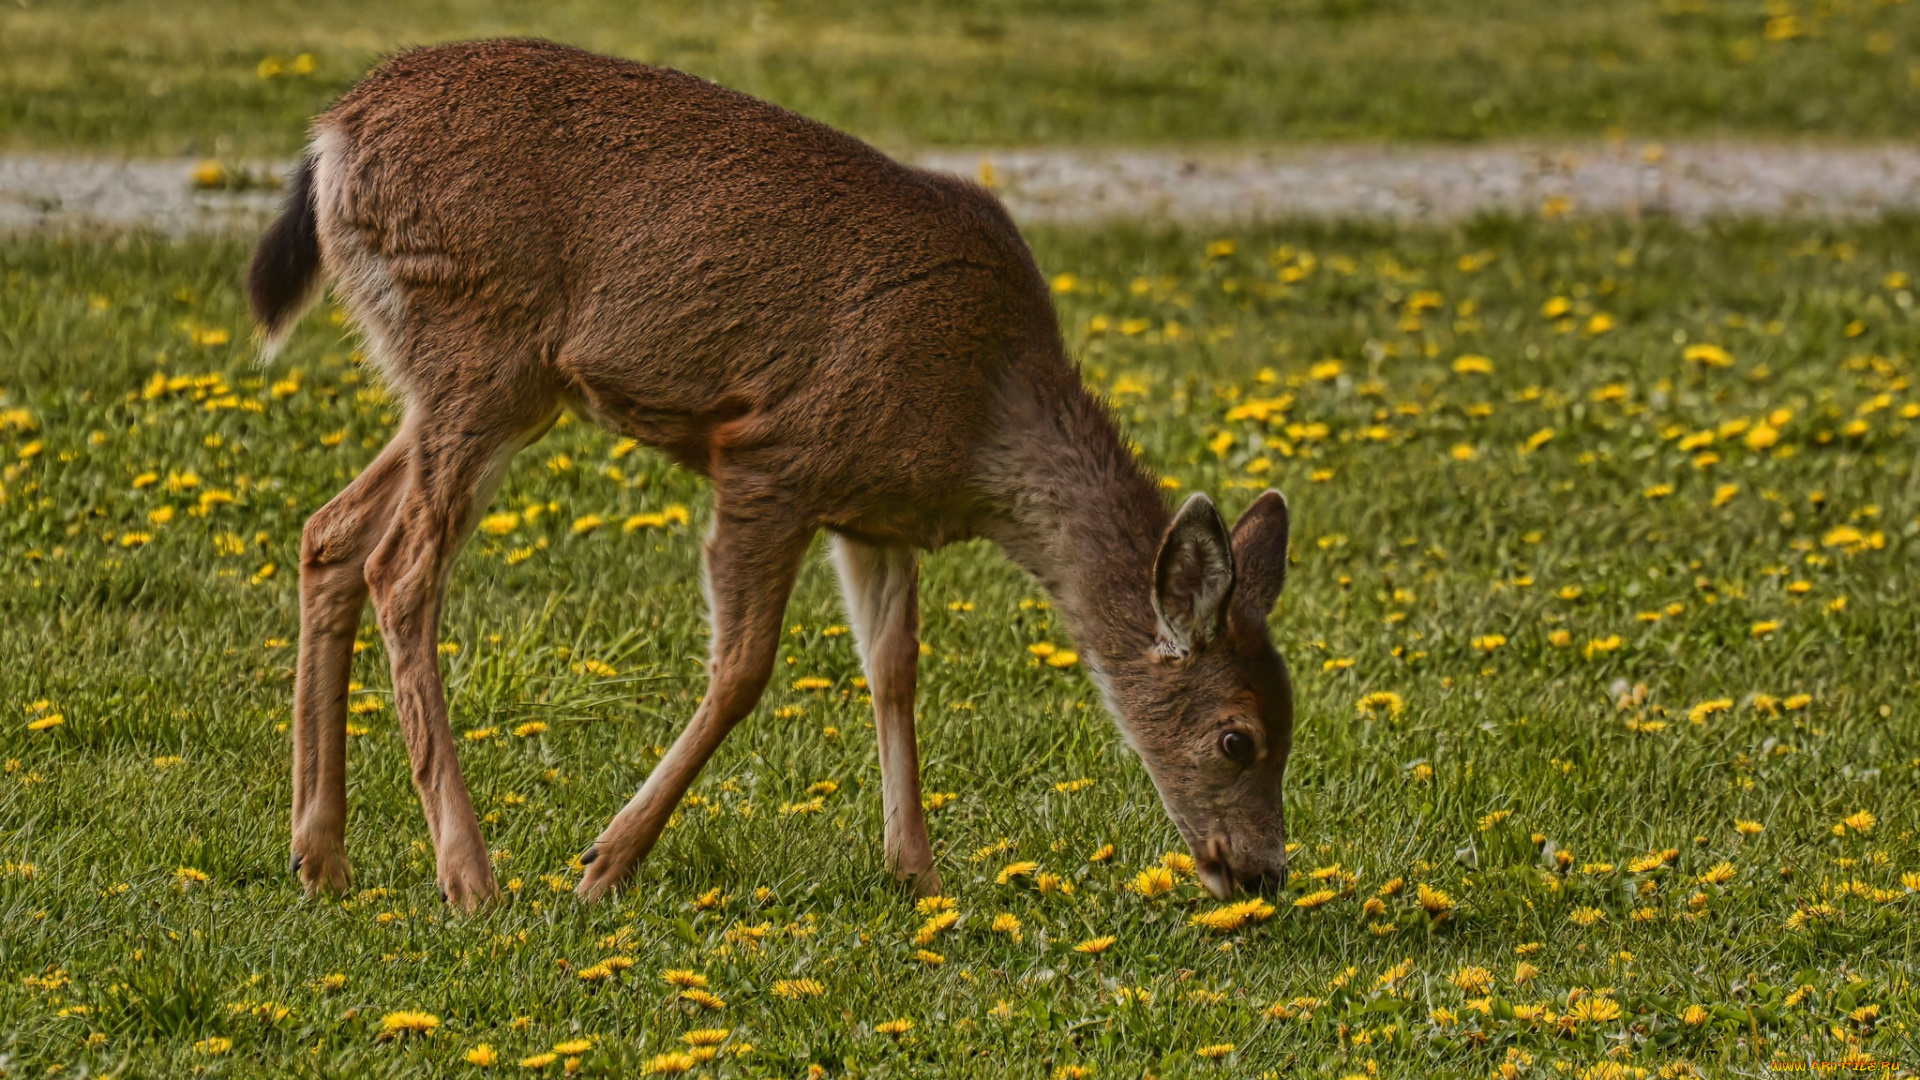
x=1690, y=181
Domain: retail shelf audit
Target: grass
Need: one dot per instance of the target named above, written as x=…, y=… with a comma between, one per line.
x=1561, y=618
x=240, y=77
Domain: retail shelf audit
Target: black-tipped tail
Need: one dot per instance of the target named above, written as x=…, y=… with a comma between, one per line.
x=285, y=271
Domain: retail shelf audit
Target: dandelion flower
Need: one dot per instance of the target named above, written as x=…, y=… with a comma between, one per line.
x=1381, y=700
x=1862, y=822
x=1152, y=881
x=1009, y=924
x=795, y=989
x=1721, y=873
x=213, y=1046
x=1586, y=916
x=1233, y=916
x=1434, y=902
x=1595, y=1010
x=1707, y=355
x=934, y=926
x=702, y=999
x=668, y=1064
x=1473, y=981
x=407, y=1022
x=483, y=1055
x=540, y=1061
x=893, y=1027
x=1214, y=1052
x=1094, y=946
x=1014, y=870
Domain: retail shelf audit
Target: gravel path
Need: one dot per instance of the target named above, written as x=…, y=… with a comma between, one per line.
x=1690, y=181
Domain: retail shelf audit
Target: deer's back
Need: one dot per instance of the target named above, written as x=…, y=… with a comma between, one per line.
x=693, y=265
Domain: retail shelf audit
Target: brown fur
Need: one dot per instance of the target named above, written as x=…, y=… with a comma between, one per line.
x=835, y=340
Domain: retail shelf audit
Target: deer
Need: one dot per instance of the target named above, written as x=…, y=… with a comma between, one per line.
x=835, y=341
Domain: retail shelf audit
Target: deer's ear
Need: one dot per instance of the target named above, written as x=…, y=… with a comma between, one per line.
x=1192, y=578
x=1260, y=550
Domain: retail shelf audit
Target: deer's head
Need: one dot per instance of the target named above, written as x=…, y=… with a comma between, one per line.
x=1211, y=709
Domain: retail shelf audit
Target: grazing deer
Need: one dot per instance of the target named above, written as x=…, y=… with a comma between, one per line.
x=835, y=340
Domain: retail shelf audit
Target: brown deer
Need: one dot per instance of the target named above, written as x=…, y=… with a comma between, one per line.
x=835, y=340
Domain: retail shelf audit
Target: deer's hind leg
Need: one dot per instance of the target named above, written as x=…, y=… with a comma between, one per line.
x=334, y=548
x=881, y=586
x=461, y=450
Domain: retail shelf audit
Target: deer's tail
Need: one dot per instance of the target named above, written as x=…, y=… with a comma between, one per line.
x=284, y=276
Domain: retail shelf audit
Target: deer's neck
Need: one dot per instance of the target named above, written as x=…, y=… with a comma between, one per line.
x=1082, y=516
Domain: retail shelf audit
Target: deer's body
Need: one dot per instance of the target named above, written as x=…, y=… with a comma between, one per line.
x=837, y=341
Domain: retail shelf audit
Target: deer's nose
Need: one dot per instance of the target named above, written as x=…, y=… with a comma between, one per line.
x=1262, y=882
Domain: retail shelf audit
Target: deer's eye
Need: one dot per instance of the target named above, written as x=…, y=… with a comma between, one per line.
x=1238, y=746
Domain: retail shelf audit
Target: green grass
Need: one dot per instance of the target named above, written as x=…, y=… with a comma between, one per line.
x=1423, y=525
x=187, y=78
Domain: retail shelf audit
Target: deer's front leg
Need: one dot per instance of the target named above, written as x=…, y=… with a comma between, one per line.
x=881, y=586
x=752, y=558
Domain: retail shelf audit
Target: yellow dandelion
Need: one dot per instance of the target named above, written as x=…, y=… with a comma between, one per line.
x=1381, y=700
x=893, y=1027
x=1215, y=1051
x=483, y=1055
x=407, y=1022
x=1594, y=1009
x=1094, y=946
x=1707, y=355
x=1233, y=916
x=935, y=926
x=668, y=1064
x=702, y=999
x=1152, y=881
x=1474, y=981
x=1721, y=873
x=795, y=989
x=540, y=1061
x=1014, y=870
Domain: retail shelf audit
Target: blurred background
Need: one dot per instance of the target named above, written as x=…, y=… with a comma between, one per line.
x=241, y=77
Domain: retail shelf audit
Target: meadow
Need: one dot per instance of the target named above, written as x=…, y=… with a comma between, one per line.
x=239, y=78
x=1603, y=624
